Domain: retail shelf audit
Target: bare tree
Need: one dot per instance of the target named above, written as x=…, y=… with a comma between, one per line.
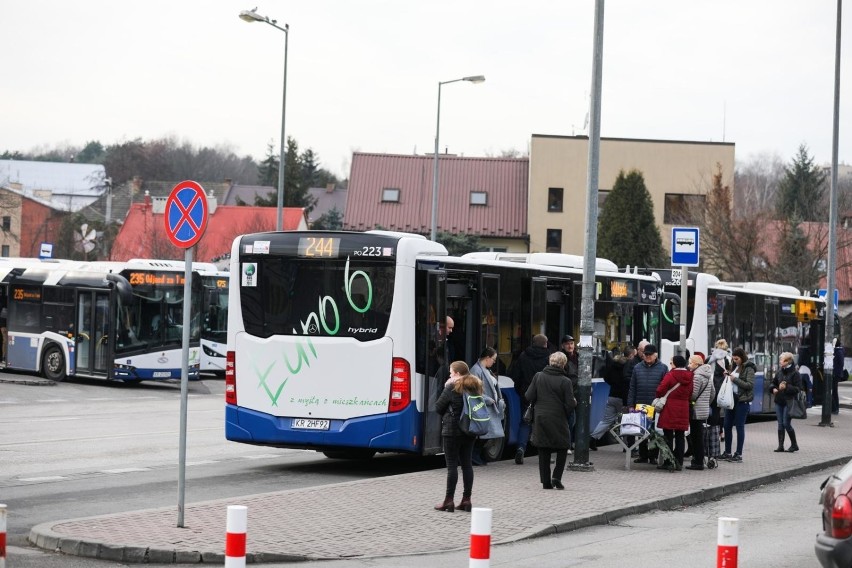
x=757, y=181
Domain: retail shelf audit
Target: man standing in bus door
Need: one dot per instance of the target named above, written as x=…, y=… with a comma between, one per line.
x=646, y=376
x=532, y=360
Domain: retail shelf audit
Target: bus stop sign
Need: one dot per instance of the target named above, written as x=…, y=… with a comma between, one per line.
x=685, y=246
x=186, y=214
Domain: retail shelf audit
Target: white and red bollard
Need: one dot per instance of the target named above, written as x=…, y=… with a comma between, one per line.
x=480, y=538
x=235, y=537
x=2, y=536
x=727, y=542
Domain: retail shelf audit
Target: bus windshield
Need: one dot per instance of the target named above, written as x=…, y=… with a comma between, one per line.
x=215, y=325
x=155, y=318
x=335, y=297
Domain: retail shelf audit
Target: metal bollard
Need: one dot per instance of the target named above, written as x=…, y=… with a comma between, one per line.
x=2, y=536
x=235, y=536
x=480, y=538
x=727, y=542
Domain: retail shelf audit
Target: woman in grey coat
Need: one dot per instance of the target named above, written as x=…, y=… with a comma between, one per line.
x=703, y=392
x=493, y=399
x=551, y=393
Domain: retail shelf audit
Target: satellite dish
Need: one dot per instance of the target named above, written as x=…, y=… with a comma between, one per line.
x=84, y=239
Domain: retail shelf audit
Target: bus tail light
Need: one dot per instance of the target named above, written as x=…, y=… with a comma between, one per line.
x=400, y=393
x=841, y=517
x=230, y=379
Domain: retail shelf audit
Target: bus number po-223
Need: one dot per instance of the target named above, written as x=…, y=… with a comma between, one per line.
x=369, y=251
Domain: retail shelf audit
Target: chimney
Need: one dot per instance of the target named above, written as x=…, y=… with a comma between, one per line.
x=229, y=181
x=147, y=195
x=329, y=188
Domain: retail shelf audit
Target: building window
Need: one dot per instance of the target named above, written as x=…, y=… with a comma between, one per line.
x=681, y=209
x=390, y=195
x=497, y=249
x=478, y=198
x=554, y=240
x=7, y=223
x=4, y=251
x=602, y=195
x=554, y=199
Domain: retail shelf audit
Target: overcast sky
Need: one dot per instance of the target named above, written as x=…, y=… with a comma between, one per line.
x=363, y=74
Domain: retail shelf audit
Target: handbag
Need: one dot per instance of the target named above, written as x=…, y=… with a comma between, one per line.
x=633, y=423
x=529, y=414
x=725, y=398
x=660, y=403
x=796, y=406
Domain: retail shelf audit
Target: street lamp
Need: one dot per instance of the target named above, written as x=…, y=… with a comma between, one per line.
x=252, y=16
x=471, y=79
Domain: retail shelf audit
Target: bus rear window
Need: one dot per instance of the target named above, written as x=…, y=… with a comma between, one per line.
x=332, y=298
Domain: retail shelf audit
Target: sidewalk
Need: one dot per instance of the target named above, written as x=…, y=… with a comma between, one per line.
x=393, y=516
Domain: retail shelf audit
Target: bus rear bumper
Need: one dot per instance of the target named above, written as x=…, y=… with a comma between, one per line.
x=384, y=432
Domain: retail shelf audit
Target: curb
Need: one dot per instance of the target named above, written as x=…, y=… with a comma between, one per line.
x=43, y=536
x=29, y=382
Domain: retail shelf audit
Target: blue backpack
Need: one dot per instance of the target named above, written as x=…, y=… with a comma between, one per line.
x=474, y=418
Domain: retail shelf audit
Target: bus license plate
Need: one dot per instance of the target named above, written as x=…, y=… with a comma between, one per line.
x=162, y=374
x=310, y=424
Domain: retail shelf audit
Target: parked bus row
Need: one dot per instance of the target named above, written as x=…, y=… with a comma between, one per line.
x=335, y=338
x=109, y=320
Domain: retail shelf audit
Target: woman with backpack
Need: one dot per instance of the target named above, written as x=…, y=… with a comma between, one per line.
x=552, y=394
x=458, y=446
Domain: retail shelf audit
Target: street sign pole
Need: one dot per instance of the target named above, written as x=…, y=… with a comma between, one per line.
x=185, y=219
x=686, y=253
x=184, y=382
x=684, y=291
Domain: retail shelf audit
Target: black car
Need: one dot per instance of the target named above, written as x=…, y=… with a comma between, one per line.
x=834, y=543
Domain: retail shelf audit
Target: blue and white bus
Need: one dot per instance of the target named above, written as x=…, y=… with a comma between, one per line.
x=59, y=318
x=334, y=338
x=764, y=319
x=214, y=320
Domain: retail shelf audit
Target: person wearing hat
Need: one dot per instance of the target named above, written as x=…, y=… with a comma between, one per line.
x=570, y=350
x=644, y=381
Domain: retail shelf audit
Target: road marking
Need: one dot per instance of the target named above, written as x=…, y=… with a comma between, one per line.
x=261, y=456
x=46, y=400
x=45, y=478
x=126, y=470
x=202, y=462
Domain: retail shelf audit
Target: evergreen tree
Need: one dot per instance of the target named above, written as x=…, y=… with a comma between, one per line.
x=330, y=221
x=268, y=171
x=627, y=232
x=296, y=193
x=802, y=191
x=458, y=244
x=797, y=264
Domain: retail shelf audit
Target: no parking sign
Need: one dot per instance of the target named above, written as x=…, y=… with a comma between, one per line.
x=186, y=214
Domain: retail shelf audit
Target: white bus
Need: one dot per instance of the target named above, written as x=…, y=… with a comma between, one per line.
x=764, y=319
x=214, y=320
x=334, y=338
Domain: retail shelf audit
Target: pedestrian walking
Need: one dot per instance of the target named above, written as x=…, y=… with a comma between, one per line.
x=552, y=394
x=458, y=446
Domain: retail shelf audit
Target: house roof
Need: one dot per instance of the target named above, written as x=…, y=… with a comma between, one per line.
x=143, y=234
x=504, y=180
x=68, y=186
x=326, y=200
x=246, y=193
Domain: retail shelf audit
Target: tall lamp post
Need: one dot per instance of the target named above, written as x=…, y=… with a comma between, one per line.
x=252, y=16
x=472, y=79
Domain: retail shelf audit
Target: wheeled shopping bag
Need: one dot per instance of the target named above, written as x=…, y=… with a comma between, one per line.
x=711, y=445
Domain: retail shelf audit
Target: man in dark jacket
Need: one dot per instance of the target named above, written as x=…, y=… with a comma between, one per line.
x=643, y=390
x=570, y=350
x=533, y=359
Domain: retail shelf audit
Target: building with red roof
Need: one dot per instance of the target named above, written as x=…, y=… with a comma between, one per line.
x=143, y=233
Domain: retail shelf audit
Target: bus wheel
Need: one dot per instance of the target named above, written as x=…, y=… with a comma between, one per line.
x=360, y=454
x=53, y=364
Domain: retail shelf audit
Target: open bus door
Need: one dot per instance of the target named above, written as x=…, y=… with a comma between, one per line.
x=436, y=302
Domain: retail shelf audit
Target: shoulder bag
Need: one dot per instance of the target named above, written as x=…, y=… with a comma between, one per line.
x=796, y=406
x=660, y=403
x=725, y=398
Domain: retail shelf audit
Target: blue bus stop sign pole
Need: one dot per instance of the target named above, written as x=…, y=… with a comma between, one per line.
x=185, y=223
x=684, y=254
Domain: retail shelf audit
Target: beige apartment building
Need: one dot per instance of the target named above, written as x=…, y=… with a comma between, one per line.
x=678, y=175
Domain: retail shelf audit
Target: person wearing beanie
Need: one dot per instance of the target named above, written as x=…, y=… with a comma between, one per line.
x=674, y=418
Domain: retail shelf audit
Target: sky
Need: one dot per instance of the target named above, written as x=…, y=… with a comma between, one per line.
x=363, y=74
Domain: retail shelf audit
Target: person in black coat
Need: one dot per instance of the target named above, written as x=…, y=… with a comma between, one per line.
x=533, y=359
x=458, y=446
x=552, y=394
x=786, y=384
